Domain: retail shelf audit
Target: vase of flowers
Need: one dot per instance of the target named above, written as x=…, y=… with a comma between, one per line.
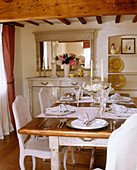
x=67, y=60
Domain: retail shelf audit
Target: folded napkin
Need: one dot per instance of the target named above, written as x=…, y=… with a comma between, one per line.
x=117, y=97
x=122, y=109
x=114, y=96
x=61, y=108
x=86, y=116
x=71, y=98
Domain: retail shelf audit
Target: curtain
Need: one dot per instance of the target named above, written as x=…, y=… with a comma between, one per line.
x=5, y=120
x=8, y=39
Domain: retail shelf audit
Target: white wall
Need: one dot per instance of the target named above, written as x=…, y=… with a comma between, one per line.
x=25, y=55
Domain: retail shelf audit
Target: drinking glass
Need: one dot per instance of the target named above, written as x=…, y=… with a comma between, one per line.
x=77, y=94
x=82, y=90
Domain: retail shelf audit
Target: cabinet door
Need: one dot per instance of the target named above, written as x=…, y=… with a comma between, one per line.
x=54, y=94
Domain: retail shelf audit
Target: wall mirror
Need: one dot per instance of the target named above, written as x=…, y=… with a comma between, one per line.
x=55, y=43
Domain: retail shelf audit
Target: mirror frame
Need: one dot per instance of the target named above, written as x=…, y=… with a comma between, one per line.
x=67, y=35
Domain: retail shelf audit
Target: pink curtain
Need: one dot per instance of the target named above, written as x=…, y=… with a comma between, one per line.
x=8, y=39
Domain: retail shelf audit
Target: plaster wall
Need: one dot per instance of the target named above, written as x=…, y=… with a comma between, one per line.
x=25, y=52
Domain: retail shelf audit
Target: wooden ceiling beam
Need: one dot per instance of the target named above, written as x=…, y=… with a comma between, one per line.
x=51, y=23
x=82, y=20
x=65, y=21
x=16, y=24
x=32, y=22
x=99, y=19
x=11, y=11
x=117, y=20
x=134, y=19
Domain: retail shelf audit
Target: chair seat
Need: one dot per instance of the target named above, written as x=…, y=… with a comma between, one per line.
x=39, y=147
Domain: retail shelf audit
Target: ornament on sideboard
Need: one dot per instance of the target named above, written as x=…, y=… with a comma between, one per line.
x=113, y=49
x=80, y=73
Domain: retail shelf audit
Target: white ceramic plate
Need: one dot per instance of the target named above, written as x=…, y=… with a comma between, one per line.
x=95, y=124
x=58, y=113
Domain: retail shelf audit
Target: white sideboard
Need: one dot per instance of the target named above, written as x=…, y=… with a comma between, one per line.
x=56, y=87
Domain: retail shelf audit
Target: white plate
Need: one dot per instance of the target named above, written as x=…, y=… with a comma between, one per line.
x=58, y=113
x=95, y=124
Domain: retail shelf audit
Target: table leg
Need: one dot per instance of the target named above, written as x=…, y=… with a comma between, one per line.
x=55, y=158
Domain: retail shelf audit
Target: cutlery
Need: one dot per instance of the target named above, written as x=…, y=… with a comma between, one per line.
x=111, y=127
x=62, y=122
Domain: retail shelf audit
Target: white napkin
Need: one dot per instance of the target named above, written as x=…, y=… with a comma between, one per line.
x=87, y=116
x=117, y=97
x=122, y=109
x=66, y=98
x=61, y=108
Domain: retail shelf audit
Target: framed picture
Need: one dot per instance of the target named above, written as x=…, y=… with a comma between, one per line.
x=128, y=45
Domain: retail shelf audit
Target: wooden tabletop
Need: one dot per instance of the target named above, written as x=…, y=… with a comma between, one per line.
x=40, y=126
x=48, y=127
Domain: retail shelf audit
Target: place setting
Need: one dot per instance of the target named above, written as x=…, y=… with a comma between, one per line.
x=87, y=121
x=60, y=110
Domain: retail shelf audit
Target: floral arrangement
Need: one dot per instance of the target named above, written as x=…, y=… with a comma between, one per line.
x=97, y=87
x=68, y=59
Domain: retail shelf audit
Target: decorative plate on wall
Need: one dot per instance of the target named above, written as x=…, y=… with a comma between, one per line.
x=116, y=65
x=118, y=81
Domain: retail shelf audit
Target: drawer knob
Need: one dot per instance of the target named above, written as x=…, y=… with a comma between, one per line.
x=75, y=83
x=44, y=83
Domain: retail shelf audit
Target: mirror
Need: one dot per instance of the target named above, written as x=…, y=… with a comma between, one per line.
x=55, y=43
x=50, y=51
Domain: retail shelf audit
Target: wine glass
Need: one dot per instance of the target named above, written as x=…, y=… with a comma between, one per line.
x=82, y=90
x=77, y=94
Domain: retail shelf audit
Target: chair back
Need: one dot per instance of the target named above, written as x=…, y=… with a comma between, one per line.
x=21, y=115
x=44, y=99
x=122, y=150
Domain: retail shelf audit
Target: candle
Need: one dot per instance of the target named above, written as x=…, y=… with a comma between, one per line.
x=91, y=67
x=102, y=71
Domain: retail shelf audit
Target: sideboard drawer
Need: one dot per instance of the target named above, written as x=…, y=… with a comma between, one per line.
x=44, y=83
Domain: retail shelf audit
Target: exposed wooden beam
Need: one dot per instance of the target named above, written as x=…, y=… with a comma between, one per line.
x=15, y=10
x=16, y=24
x=99, y=19
x=32, y=22
x=117, y=20
x=82, y=20
x=134, y=19
x=65, y=21
x=51, y=23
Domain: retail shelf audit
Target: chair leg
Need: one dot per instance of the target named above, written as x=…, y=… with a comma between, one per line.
x=34, y=162
x=22, y=166
x=72, y=154
x=92, y=158
x=65, y=159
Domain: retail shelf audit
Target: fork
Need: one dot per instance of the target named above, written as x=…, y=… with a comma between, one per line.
x=62, y=121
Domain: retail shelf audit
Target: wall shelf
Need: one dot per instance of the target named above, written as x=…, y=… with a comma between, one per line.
x=128, y=73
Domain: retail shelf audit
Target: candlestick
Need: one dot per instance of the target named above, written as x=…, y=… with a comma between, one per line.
x=91, y=69
x=102, y=71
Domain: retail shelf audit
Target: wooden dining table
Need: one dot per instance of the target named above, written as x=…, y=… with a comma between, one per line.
x=68, y=136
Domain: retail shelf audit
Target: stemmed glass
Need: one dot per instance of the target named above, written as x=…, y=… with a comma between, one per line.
x=82, y=90
x=77, y=94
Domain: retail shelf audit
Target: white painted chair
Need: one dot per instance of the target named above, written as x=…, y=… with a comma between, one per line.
x=45, y=103
x=122, y=146
x=35, y=146
x=44, y=99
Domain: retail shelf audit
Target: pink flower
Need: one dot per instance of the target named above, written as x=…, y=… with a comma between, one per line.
x=72, y=62
x=61, y=58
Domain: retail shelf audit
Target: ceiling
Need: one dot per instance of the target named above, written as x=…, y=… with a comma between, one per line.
x=83, y=20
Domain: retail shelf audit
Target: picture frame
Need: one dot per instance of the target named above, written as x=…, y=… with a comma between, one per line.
x=128, y=46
